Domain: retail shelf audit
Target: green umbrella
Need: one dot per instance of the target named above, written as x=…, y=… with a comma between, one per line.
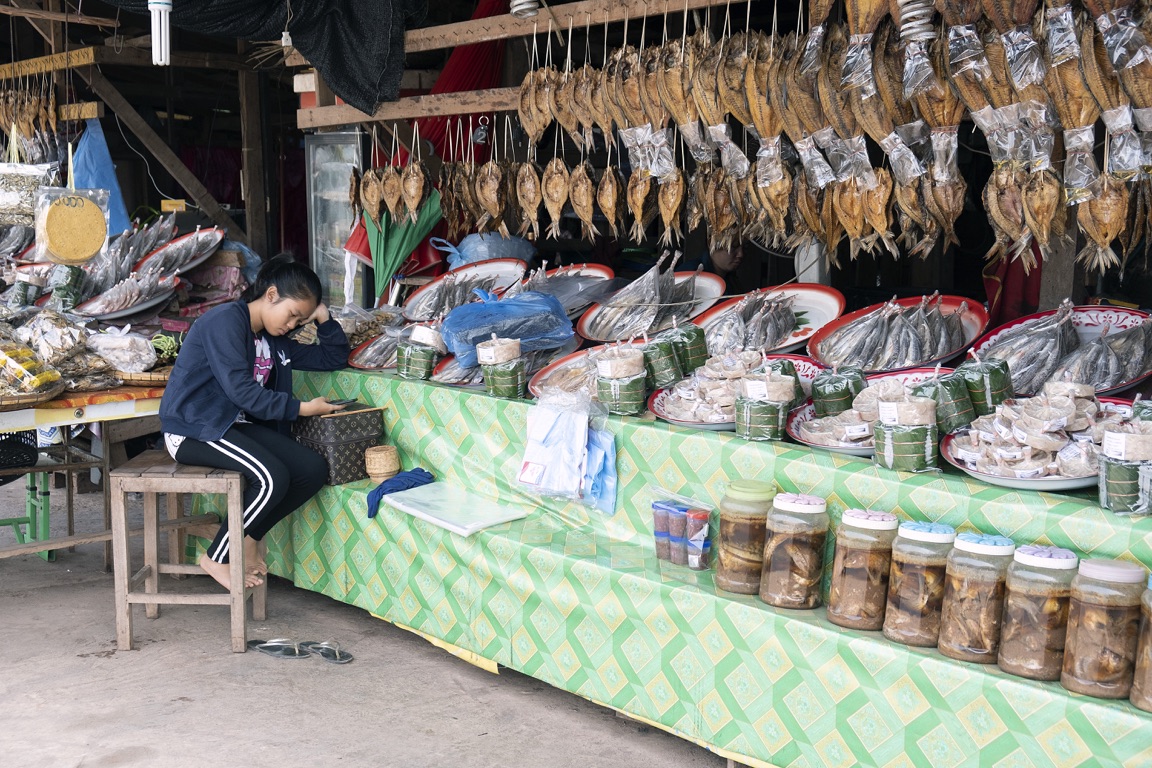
x=392, y=242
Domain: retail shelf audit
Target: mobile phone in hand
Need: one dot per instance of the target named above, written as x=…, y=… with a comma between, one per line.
x=345, y=401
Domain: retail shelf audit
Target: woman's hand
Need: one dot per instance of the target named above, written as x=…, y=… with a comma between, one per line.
x=318, y=406
x=320, y=315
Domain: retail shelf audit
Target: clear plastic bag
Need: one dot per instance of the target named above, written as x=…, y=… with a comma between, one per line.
x=128, y=352
x=18, y=185
x=23, y=372
x=944, y=146
x=810, y=56
x=1123, y=38
x=1025, y=59
x=660, y=156
x=856, y=164
x=918, y=72
x=482, y=247
x=733, y=159
x=633, y=139
x=1041, y=134
x=556, y=444
x=71, y=224
x=1080, y=171
x=918, y=138
x=1126, y=152
x=1143, y=119
x=538, y=320
x=820, y=174
x=52, y=336
x=769, y=169
x=905, y=167
x=693, y=135
x=1063, y=44
x=966, y=52
x=857, y=71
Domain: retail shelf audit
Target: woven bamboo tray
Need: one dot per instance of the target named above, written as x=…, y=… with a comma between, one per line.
x=147, y=378
x=20, y=402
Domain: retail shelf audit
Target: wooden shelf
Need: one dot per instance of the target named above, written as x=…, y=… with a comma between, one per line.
x=434, y=105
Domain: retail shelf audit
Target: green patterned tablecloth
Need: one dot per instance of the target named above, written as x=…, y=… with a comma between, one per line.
x=578, y=599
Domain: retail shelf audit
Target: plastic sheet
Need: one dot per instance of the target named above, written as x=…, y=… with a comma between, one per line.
x=918, y=72
x=944, y=146
x=966, y=51
x=813, y=44
x=1063, y=44
x=905, y=167
x=820, y=174
x=769, y=168
x=1025, y=59
x=1080, y=170
x=733, y=159
x=857, y=71
x=557, y=438
x=54, y=337
x=1123, y=39
x=693, y=135
x=1125, y=152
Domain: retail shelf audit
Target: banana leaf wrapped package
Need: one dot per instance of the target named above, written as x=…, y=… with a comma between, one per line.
x=989, y=383
x=834, y=390
x=954, y=408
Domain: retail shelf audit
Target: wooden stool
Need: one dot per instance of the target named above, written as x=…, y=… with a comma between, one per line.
x=152, y=473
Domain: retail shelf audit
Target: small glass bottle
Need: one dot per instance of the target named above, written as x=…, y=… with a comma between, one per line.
x=1039, y=588
x=740, y=540
x=916, y=583
x=973, y=605
x=797, y=528
x=1141, y=695
x=1103, y=626
x=860, y=567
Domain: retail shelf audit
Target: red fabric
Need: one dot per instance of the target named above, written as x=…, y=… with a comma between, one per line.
x=1011, y=293
x=358, y=242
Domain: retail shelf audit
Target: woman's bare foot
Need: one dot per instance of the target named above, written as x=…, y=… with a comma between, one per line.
x=222, y=573
x=253, y=563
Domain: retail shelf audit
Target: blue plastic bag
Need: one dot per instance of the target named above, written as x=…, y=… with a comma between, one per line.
x=537, y=319
x=476, y=248
x=93, y=169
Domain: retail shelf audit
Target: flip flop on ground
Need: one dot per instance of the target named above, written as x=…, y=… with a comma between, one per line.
x=330, y=652
x=280, y=648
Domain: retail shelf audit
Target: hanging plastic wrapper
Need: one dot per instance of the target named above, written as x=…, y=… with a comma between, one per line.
x=1143, y=119
x=735, y=162
x=917, y=137
x=1063, y=44
x=1123, y=39
x=810, y=57
x=1025, y=60
x=697, y=144
x=966, y=52
x=769, y=169
x=820, y=174
x=1080, y=171
x=1041, y=134
x=634, y=139
x=660, y=150
x=918, y=72
x=905, y=167
x=849, y=158
x=857, y=72
x=944, y=144
x=998, y=127
x=1125, y=152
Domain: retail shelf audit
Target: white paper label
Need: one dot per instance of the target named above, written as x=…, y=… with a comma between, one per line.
x=1082, y=437
x=604, y=369
x=1020, y=435
x=888, y=413
x=856, y=430
x=985, y=437
x=1115, y=446
x=531, y=473
x=965, y=455
x=1010, y=454
x=1002, y=429
x=1123, y=410
x=755, y=389
x=1070, y=452
x=486, y=355
x=1025, y=474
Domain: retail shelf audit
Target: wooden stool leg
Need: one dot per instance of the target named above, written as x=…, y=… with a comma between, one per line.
x=236, y=566
x=177, y=537
x=121, y=563
x=260, y=593
x=151, y=552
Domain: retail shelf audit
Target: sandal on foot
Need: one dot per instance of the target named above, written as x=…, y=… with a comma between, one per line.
x=280, y=648
x=330, y=652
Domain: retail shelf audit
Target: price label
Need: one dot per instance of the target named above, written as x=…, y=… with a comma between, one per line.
x=1026, y=474
x=755, y=389
x=1010, y=454
x=857, y=430
x=173, y=206
x=889, y=414
x=1070, y=452
x=1115, y=446
x=966, y=455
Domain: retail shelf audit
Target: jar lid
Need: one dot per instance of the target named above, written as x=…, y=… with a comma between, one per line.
x=751, y=490
x=1056, y=558
x=981, y=544
x=937, y=533
x=867, y=518
x=800, y=502
x=1113, y=570
x=699, y=514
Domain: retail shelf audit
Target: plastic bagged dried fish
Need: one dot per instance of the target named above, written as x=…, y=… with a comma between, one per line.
x=1094, y=363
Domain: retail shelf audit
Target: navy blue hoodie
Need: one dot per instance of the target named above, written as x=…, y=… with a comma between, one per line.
x=212, y=382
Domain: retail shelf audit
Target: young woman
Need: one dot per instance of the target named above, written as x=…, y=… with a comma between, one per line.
x=229, y=401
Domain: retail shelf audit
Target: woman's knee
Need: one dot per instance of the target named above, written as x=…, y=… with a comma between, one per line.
x=311, y=472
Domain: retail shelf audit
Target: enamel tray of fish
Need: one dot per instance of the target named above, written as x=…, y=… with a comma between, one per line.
x=1028, y=483
x=890, y=337
x=571, y=285
x=571, y=373
x=447, y=371
x=379, y=352
x=707, y=291
x=806, y=369
x=182, y=253
x=496, y=275
x=1123, y=364
x=813, y=307
x=807, y=412
x=158, y=300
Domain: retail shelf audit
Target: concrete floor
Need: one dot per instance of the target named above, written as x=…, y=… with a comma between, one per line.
x=182, y=699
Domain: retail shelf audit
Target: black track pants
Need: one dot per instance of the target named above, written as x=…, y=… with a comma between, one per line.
x=280, y=476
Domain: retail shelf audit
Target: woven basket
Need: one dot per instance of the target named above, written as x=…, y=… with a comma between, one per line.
x=145, y=379
x=20, y=402
x=382, y=462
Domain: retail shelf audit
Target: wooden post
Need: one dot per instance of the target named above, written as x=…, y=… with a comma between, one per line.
x=252, y=176
x=1058, y=278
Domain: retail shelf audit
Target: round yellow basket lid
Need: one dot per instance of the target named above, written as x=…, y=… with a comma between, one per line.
x=75, y=229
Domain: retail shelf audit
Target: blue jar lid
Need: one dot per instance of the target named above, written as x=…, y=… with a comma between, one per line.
x=938, y=533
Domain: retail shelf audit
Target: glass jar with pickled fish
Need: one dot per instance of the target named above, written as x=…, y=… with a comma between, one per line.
x=860, y=567
x=740, y=541
x=1103, y=626
x=794, y=551
x=1141, y=694
x=1039, y=588
x=916, y=583
x=973, y=605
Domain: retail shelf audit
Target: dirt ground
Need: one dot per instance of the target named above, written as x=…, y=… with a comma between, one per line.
x=182, y=699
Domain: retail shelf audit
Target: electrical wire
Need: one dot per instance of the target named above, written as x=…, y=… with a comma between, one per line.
x=147, y=165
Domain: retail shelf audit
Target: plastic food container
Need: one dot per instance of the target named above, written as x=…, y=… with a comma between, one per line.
x=1142, y=682
x=660, y=512
x=1039, y=588
x=677, y=534
x=860, y=568
x=973, y=607
x=698, y=547
x=1103, y=627
x=740, y=540
x=797, y=528
x=916, y=583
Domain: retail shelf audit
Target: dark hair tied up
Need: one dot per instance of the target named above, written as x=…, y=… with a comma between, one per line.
x=291, y=279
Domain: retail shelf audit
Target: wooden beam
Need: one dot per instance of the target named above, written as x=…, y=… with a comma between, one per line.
x=87, y=110
x=104, y=54
x=68, y=18
x=414, y=79
x=252, y=176
x=433, y=105
x=160, y=150
x=81, y=57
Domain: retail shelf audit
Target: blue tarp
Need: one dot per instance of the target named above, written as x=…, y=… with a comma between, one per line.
x=93, y=168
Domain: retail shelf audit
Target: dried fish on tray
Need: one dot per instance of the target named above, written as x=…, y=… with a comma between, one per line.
x=758, y=321
x=576, y=287
x=15, y=238
x=440, y=298
x=379, y=352
x=183, y=253
x=136, y=292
